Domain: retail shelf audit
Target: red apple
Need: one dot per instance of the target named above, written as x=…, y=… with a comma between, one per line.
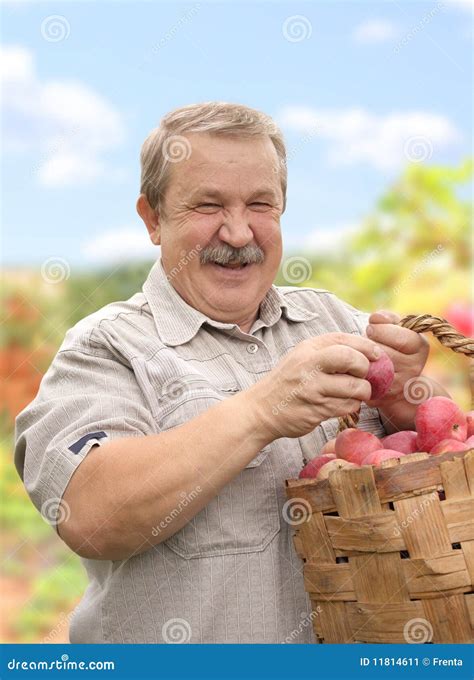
x=439, y=418
x=380, y=376
x=470, y=423
x=353, y=445
x=312, y=468
x=332, y=465
x=329, y=447
x=377, y=457
x=470, y=441
x=461, y=316
x=449, y=445
x=404, y=441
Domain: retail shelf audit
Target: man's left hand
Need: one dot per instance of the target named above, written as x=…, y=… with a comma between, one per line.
x=409, y=351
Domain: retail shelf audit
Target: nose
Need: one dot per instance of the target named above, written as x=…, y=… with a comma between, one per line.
x=236, y=230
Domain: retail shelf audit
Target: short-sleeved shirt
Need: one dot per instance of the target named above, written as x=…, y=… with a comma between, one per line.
x=143, y=366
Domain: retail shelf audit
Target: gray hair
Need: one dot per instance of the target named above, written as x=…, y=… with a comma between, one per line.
x=166, y=144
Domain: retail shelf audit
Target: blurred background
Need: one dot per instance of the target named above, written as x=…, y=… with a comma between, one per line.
x=374, y=99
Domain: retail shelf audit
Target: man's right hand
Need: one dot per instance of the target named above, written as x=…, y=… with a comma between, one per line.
x=321, y=378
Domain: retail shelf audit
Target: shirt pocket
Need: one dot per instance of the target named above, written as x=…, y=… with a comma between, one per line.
x=244, y=517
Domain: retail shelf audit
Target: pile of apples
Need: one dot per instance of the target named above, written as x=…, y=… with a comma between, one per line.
x=441, y=426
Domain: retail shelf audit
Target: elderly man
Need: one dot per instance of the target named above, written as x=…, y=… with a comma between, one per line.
x=166, y=426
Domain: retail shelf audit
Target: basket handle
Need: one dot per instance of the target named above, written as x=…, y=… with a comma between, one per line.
x=447, y=336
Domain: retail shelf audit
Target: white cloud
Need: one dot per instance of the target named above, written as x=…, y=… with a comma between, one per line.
x=375, y=31
x=329, y=240
x=463, y=4
x=67, y=125
x=120, y=245
x=385, y=142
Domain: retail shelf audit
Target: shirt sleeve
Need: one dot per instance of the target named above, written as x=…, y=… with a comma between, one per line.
x=85, y=399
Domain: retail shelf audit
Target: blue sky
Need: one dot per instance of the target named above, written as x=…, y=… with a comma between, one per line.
x=359, y=88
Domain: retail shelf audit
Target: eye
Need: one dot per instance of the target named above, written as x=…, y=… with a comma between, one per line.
x=208, y=207
x=260, y=205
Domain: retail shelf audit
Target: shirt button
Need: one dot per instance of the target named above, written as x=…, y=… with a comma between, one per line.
x=252, y=348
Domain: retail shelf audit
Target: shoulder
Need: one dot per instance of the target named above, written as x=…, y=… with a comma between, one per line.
x=324, y=302
x=117, y=325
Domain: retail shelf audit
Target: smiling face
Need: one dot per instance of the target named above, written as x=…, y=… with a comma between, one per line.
x=219, y=225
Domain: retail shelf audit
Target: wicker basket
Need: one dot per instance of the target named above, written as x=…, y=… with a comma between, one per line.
x=389, y=551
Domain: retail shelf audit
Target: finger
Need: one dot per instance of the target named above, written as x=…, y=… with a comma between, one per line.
x=358, y=342
x=341, y=407
x=343, y=359
x=346, y=387
x=401, y=339
x=384, y=316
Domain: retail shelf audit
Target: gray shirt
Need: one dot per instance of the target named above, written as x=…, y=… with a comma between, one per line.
x=143, y=366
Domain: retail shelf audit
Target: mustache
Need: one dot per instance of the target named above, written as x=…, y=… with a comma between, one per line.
x=225, y=254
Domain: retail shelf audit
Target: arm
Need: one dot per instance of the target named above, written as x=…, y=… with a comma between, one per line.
x=134, y=482
x=123, y=489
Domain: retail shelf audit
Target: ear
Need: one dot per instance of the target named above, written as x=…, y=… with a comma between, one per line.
x=150, y=218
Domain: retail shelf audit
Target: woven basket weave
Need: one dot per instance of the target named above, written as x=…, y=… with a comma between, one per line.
x=388, y=551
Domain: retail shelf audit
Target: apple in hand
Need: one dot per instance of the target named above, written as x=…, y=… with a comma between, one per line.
x=380, y=376
x=437, y=419
x=353, y=445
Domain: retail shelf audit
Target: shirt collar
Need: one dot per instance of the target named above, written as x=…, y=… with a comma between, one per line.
x=177, y=322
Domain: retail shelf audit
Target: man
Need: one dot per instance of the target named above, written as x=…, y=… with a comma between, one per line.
x=166, y=426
